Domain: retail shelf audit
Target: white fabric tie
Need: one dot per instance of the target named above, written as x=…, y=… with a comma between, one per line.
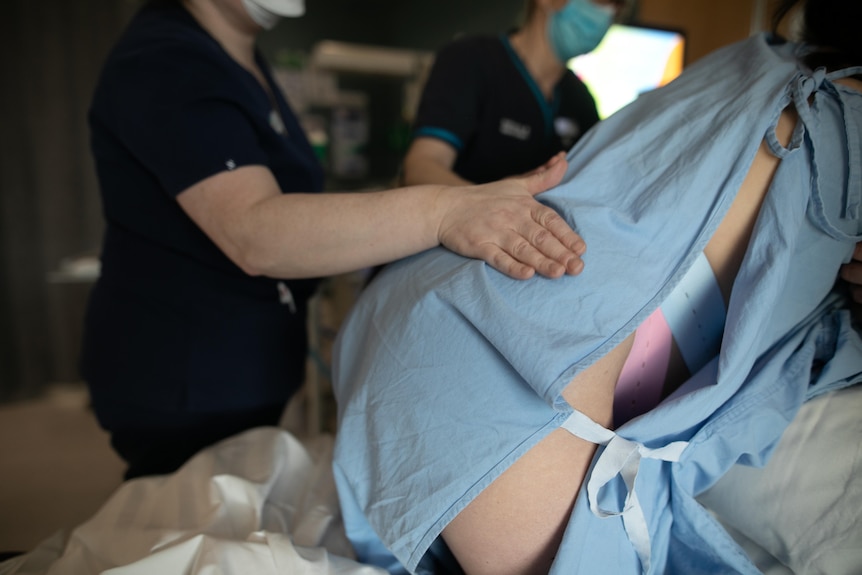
x=621, y=457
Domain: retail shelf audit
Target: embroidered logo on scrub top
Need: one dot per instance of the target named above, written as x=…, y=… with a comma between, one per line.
x=567, y=129
x=276, y=123
x=514, y=129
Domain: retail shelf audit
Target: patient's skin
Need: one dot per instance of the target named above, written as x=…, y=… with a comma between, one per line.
x=516, y=524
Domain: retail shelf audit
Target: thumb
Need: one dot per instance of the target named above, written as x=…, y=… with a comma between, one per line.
x=549, y=176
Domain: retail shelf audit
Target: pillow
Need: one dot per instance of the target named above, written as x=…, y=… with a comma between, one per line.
x=804, y=508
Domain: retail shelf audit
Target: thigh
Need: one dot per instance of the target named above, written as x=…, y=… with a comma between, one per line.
x=516, y=524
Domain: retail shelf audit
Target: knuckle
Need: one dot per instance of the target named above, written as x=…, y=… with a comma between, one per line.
x=548, y=217
x=483, y=251
x=521, y=248
x=540, y=237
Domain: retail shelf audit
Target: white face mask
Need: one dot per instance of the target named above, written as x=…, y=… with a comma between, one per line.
x=266, y=13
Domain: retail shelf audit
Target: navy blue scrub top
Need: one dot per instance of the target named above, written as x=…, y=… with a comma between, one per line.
x=172, y=322
x=481, y=99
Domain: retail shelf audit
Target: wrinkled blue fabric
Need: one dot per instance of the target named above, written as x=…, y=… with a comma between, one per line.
x=446, y=371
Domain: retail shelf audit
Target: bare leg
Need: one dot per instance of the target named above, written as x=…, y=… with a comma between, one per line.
x=516, y=524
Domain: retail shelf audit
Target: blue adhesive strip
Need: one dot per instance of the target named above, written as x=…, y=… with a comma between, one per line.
x=695, y=313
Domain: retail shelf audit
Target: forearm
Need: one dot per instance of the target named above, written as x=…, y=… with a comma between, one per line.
x=308, y=235
x=424, y=172
x=265, y=232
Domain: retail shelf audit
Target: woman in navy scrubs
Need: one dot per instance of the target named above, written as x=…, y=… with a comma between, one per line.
x=216, y=231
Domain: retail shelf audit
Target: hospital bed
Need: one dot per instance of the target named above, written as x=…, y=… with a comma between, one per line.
x=264, y=502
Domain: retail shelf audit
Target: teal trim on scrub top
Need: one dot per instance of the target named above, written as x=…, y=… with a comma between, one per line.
x=441, y=134
x=549, y=110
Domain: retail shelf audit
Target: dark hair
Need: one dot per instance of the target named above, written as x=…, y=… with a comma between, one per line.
x=831, y=27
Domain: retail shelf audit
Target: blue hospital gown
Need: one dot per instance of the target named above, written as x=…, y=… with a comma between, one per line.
x=446, y=371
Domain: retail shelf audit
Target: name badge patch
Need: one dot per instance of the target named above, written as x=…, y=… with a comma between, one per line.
x=514, y=129
x=567, y=129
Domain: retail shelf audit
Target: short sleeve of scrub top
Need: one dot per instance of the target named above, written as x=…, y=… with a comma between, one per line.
x=449, y=114
x=186, y=126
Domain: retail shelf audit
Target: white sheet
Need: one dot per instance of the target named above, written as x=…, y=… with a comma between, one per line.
x=804, y=509
x=263, y=503
x=260, y=502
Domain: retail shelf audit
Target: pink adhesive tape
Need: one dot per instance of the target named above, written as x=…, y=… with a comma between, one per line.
x=640, y=384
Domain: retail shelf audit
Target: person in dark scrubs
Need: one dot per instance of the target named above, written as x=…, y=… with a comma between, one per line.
x=216, y=232
x=497, y=106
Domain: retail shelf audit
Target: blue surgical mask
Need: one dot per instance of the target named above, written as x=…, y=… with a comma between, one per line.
x=578, y=28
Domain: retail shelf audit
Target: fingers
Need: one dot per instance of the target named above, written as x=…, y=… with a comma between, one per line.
x=551, y=265
x=565, y=236
x=519, y=260
x=533, y=247
x=549, y=245
x=504, y=225
x=852, y=274
x=562, y=245
x=548, y=175
x=504, y=263
x=554, y=159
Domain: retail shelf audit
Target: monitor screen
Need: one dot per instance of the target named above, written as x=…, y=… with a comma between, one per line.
x=629, y=61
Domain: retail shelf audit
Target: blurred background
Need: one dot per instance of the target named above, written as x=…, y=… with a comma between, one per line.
x=352, y=69
x=51, y=54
